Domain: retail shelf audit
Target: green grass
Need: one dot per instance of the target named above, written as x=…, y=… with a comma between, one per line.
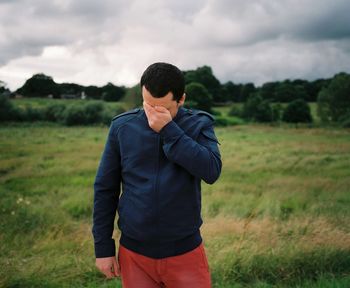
x=277, y=217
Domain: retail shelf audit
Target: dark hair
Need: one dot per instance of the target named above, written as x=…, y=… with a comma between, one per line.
x=161, y=78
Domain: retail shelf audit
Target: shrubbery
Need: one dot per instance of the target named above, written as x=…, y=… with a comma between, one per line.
x=55, y=112
x=199, y=97
x=344, y=120
x=93, y=112
x=224, y=121
x=86, y=114
x=297, y=111
x=235, y=111
x=7, y=109
x=257, y=109
x=334, y=100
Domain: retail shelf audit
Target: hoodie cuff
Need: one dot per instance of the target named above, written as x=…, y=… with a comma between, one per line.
x=171, y=131
x=105, y=249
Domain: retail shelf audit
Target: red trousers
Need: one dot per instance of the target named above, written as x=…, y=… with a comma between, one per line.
x=188, y=270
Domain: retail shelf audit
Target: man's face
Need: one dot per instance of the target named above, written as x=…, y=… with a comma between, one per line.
x=167, y=101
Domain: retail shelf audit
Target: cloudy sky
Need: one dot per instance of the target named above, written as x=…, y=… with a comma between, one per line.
x=95, y=42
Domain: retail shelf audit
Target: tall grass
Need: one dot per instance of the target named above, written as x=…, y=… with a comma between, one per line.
x=277, y=217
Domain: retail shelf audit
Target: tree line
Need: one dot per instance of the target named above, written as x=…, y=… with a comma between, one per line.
x=204, y=91
x=41, y=85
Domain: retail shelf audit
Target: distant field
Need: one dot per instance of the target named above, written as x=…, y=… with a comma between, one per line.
x=278, y=216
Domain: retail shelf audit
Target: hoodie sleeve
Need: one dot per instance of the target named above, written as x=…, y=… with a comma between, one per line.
x=106, y=196
x=201, y=158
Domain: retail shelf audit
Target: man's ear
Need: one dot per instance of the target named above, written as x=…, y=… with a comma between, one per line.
x=182, y=100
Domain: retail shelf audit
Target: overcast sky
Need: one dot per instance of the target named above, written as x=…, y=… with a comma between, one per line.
x=95, y=42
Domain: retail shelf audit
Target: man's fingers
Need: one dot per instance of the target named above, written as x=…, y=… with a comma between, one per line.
x=147, y=106
x=106, y=266
x=161, y=109
x=109, y=274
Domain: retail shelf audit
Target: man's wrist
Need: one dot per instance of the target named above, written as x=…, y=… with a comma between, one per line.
x=171, y=130
x=105, y=249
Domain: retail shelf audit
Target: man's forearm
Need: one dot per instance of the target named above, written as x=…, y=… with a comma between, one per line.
x=202, y=159
x=106, y=197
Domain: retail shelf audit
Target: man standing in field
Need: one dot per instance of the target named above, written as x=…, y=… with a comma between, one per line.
x=159, y=154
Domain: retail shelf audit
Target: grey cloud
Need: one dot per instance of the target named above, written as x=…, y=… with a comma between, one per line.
x=233, y=23
x=244, y=40
x=334, y=25
x=48, y=23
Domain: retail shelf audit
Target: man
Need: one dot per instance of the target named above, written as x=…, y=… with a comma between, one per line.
x=159, y=154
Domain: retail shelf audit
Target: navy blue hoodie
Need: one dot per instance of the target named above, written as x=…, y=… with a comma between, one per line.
x=160, y=173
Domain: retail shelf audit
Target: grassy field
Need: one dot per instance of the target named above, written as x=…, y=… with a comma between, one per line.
x=277, y=217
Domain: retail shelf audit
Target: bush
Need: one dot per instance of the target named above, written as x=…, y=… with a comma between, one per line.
x=190, y=104
x=133, y=97
x=297, y=111
x=199, y=96
x=55, y=112
x=264, y=112
x=216, y=113
x=108, y=114
x=8, y=111
x=93, y=112
x=34, y=114
x=277, y=111
x=227, y=121
x=333, y=102
x=86, y=114
x=221, y=121
x=344, y=120
x=257, y=109
x=235, y=110
x=74, y=115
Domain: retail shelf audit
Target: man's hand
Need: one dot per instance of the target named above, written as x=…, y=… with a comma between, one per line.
x=157, y=116
x=108, y=266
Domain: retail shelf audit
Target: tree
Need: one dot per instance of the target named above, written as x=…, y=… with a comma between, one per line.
x=267, y=91
x=93, y=92
x=334, y=101
x=39, y=85
x=2, y=87
x=197, y=94
x=70, y=88
x=277, y=111
x=204, y=75
x=9, y=111
x=111, y=92
x=232, y=91
x=285, y=92
x=246, y=90
x=313, y=88
x=297, y=111
x=4, y=91
x=133, y=97
x=257, y=109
